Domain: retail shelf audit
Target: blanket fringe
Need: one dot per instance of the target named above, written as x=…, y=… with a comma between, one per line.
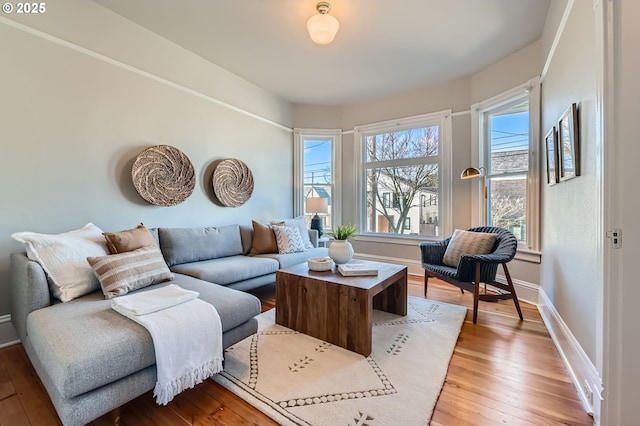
x=164, y=392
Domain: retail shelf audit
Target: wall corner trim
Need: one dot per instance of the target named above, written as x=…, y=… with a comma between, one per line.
x=556, y=38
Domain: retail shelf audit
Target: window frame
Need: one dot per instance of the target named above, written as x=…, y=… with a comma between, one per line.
x=530, y=250
x=300, y=135
x=442, y=119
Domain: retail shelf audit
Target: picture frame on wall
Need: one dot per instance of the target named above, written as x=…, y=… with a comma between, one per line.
x=569, y=144
x=551, y=149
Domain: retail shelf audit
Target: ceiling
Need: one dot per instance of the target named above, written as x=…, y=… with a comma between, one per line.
x=383, y=47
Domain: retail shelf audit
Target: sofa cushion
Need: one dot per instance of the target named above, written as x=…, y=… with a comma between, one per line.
x=121, y=273
x=467, y=242
x=185, y=245
x=129, y=240
x=264, y=239
x=286, y=260
x=64, y=258
x=84, y=344
x=228, y=270
x=288, y=239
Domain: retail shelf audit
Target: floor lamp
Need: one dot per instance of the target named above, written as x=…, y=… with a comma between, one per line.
x=317, y=205
x=471, y=173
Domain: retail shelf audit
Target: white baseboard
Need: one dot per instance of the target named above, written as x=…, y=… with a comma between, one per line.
x=582, y=371
x=8, y=336
x=526, y=291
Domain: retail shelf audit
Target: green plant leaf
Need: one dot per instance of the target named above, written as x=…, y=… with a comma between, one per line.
x=342, y=232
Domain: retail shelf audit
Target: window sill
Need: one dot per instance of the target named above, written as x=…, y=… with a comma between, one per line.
x=528, y=255
x=523, y=254
x=405, y=240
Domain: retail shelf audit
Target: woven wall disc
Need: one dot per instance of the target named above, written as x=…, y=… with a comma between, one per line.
x=163, y=175
x=232, y=182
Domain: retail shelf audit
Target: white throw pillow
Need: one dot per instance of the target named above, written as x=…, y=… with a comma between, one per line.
x=64, y=258
x=467, y=242
x=301, y=225
x=288, y=239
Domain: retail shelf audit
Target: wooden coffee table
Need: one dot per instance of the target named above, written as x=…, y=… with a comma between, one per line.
x=338, y=309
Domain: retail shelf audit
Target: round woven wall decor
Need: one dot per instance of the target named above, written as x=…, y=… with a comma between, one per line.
x=232, y=182
x=163, y=175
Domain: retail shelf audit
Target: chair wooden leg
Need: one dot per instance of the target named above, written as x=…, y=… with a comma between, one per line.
x=476, y=293
x=513, y=290
x=426, y=282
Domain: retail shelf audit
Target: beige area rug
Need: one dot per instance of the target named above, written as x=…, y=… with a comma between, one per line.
x=298, y=380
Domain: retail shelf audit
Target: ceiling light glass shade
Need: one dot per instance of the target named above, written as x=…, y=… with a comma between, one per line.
x=323, y=28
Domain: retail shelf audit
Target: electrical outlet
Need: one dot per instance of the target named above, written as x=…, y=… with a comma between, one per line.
x=588, y=393
x=616, y=237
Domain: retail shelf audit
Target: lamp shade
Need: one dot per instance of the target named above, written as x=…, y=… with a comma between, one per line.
x=470, y=173
x=322, y=28
x=317, y=205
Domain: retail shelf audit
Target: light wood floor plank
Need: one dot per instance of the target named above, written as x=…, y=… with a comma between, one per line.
x=503, y=371
x=37, y=406
x=12, y=412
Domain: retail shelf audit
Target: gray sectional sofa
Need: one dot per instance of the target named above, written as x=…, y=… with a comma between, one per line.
x=92, y=360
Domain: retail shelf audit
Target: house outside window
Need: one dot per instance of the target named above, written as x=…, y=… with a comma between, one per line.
x=508, y=166
x=404, y=176
x=317, y=171
x=507, y=148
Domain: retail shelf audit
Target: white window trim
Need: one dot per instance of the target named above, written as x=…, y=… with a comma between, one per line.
x=445, y=167
x=530, y=252
x=299, y=135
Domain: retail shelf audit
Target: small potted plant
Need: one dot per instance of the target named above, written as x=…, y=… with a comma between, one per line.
x=340, y=250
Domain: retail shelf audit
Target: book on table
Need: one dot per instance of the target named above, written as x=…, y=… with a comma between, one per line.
x=355, y=269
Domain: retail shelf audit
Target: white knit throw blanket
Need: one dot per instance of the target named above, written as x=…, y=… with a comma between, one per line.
x=186, y=332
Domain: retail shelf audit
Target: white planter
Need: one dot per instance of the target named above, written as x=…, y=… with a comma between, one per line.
x=340, y=251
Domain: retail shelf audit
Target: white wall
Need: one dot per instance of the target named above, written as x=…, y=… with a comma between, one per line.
x=571, y=211
x=72, y=122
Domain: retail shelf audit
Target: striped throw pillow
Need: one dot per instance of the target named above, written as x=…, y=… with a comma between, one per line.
x=124, y=272
x=288, y=239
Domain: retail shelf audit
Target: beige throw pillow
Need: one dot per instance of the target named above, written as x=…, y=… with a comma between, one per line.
x=467, y=242
x=131, y=239
x=121, y=273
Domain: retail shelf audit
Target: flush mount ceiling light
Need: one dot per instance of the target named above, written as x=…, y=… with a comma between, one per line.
x=323, y=27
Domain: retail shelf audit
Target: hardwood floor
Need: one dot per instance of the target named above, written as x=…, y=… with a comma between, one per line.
x=503, y=371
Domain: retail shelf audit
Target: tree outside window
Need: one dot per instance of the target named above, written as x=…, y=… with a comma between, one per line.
x=402, y=171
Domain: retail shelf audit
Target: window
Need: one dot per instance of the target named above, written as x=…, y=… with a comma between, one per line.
x=404, y=176
x=508, y=166
x=507, y=149
x=386, y=199
x=317, y=167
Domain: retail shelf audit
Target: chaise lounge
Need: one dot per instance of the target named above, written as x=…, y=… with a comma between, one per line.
x=92, y=360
